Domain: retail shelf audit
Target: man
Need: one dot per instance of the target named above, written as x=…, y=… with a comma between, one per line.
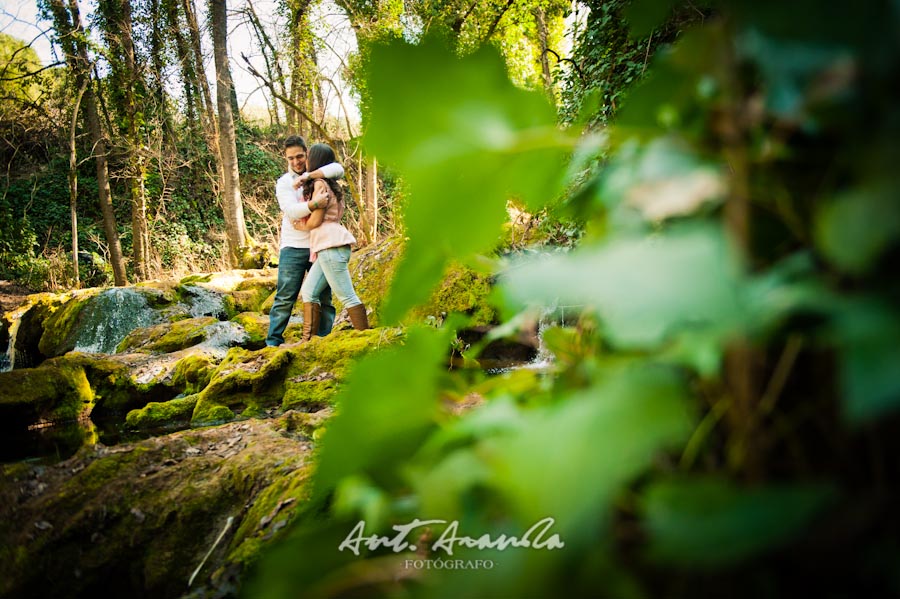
x=293, y=259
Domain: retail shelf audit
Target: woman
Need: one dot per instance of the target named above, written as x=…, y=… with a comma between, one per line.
x=330, y=242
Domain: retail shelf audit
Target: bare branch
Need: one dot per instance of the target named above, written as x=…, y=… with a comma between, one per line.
x=569, y=60
x=26, y=75
x=319, y=127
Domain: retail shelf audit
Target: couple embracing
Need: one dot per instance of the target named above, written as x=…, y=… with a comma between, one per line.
x=313, y=243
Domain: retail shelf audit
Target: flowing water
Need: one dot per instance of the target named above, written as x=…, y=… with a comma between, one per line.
x=108, y=318
x=204, y=302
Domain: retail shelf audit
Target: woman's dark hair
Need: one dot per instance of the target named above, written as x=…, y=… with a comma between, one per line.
x=319, y=155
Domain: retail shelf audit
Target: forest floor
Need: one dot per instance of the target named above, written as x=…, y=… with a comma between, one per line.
x=12, y=296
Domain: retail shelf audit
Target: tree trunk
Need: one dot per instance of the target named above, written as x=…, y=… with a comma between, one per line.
x=72, y=38
x=303, y=68
x=121, y=44
x=73, y=184
x=372, y=199
x=543, y=39
x=197, y=51
x=193, y=99
x=232, y=207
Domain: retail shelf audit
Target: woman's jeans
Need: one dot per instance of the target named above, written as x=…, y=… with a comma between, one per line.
x=292, y=265
x=330, y=269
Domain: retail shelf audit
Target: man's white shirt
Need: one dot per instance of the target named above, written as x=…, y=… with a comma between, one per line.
x=293, y=206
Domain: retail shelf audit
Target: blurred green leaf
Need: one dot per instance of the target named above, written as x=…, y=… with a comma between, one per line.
x=567, y=461
x=788, y=69
x=866, y=332
x=643, y=289
x=661, y=179
x=858, y=226
x=644, y=16
x=466, y=140
x=385, y=410
x=681, y=83
x=710, y=522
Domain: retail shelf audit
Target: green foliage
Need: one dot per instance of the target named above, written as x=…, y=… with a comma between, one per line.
x=490, y=141
x=728, y=397
x=710, y=523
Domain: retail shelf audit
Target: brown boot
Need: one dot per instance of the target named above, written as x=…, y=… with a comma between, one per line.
x=311, y=313
x=358, y=317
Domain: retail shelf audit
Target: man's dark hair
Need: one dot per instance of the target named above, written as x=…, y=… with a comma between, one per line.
x=293, y=141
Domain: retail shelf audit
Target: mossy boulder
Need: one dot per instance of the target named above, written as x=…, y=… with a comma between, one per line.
x=372, y=270
x=257, y=327
x=137, y=519
x=286, y=377
x=462, y=289
x=54, y=391
x=193, y=372
x=319, y=366
x=28, y=327
x=125, y=382
x=159, y=414
x=168, y=336
x=253, y=379
x=61, y=327
x=304, y=426
x=251, y=293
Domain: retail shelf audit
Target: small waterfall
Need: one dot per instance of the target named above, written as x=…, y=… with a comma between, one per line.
x=8, y=362
x=222, y=335
x=109, y=317
x=204, y=302
x=544, y=357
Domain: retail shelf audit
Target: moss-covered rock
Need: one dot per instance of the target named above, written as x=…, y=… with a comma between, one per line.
x=158, y=414
x=244, y=379
x=462, y=289
x=27, y=327
x=54, y=391
x=136, y=520
x=125, y=382
x=304, y=377
x=372, y=270
x=168, y=336
x=304, y=426
x=61, y=327
x=250, y=293
x=257, y=327
x=193, y=372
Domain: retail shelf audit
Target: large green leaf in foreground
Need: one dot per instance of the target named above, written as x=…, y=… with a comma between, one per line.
x=644, y=289
x=465, y=140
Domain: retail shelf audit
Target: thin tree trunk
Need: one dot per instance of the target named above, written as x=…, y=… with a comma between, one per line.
x=192, y=94
x=372, y=199
x=72, y=37
x=543, y=38
x=136, y=166
x=73, y=184
x=159, y=92
x=232, y=207
x=207, y=105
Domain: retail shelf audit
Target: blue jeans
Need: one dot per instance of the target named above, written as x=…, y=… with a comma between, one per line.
x=330, y=269
x=293, y=263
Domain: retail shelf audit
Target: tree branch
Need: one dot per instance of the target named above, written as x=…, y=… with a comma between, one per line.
x=560, y=59
x=26, y=75
x=320, y=128
x=493, y=28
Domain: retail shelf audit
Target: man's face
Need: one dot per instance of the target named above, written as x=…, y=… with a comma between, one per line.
x=296, y=157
